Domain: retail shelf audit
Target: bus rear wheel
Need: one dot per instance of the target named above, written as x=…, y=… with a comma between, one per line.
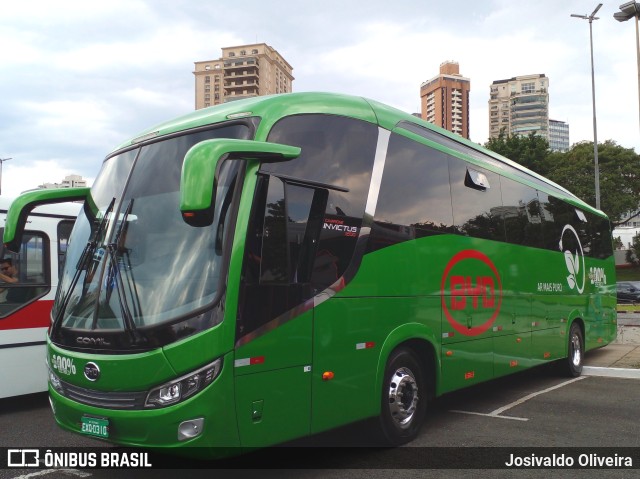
x=404, y=398
x=574, y=361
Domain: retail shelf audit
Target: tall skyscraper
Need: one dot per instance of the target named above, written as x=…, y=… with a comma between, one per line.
x=243, y=71
x=445, y=99
x=520, y=106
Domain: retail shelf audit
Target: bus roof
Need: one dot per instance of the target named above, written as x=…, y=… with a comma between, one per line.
x=271, y=108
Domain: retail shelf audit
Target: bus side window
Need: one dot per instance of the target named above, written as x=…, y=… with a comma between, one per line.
x=415, y=199
x=600, y=235
x=29, y=268
x=477, y=201
x=521, y=213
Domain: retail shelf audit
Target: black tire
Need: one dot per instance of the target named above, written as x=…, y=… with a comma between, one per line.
x=572, y=364
x=404, y=398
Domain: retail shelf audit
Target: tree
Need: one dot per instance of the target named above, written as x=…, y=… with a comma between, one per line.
x=619, y=175
x=575, y=170
x=529, y=151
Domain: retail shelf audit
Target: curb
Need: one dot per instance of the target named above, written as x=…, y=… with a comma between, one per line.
x=623, y=373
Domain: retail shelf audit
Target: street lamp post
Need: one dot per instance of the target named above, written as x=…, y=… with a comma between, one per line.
x=627, y=11
x=2, y=160
x=591, y=18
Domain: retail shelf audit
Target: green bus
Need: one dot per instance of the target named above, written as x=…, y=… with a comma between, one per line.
x=279, y=266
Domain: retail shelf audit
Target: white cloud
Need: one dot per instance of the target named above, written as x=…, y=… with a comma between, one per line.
x=78, y=78
x=17, y=178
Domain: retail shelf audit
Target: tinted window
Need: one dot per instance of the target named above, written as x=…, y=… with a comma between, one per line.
x=476, y=206
x=556, y=214
x=414, y=199
x=599, y=231
x=521, y=213
x=306, y=215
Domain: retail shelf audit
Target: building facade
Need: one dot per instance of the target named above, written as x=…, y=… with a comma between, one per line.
x=70, y=181
x=445, y=99
x=243, y=71
x=558, y=135
x=519, y=106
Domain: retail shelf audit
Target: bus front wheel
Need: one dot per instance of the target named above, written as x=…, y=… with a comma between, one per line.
x=404, y=398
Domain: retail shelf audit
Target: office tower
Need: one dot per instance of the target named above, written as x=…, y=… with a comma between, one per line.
x=242, y=72
x=445, y=99
x=558, y=135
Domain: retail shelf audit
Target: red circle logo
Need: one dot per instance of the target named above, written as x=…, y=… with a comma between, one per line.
x=471, y=292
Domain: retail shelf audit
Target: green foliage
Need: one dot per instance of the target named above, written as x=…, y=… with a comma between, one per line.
x=530, y=151
x=628, y=274
x=575, y=170
x=617, y=243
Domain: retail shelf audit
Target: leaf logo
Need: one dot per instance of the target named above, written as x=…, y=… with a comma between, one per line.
x=573, y=266
x=573, y=262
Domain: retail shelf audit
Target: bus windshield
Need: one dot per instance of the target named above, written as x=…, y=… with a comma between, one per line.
x=132, y=262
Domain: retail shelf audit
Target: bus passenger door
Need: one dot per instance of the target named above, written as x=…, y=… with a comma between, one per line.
x=275, y=317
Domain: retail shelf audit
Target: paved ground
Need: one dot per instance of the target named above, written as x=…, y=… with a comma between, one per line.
x=625, y=351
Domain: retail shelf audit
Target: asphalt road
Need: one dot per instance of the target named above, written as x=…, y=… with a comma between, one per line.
x=534, y=409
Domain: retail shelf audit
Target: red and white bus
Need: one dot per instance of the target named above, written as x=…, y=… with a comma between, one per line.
x=25, y=305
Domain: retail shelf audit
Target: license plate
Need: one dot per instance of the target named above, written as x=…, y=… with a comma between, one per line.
x=95, y=426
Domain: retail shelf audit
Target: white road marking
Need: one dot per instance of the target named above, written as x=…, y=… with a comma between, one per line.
x=497, y=413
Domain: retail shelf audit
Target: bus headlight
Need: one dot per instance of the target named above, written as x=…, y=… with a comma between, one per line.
x=54, y=380
x=184, y=387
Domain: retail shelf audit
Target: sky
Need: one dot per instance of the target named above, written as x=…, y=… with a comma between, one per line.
x=77, y=78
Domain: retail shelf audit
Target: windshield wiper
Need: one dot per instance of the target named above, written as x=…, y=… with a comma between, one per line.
x=115, y=276
x=83, y=262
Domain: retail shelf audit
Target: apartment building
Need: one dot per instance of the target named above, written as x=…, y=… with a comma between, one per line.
x=242, y=71
x=520, y=106
x=445, y=99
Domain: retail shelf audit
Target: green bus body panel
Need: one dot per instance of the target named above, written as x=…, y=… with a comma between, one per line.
x=285, y=346
x=273, y=406
x=273, y=374
x=158, y=428
x=124, y=372
x=352, y=339
x=530, y=328
x=188, y=354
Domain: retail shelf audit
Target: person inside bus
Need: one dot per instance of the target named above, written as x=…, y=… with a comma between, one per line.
x=9, y=274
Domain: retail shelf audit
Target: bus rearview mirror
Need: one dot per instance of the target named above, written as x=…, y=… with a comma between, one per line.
x=201, y=169
x=26, y=202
